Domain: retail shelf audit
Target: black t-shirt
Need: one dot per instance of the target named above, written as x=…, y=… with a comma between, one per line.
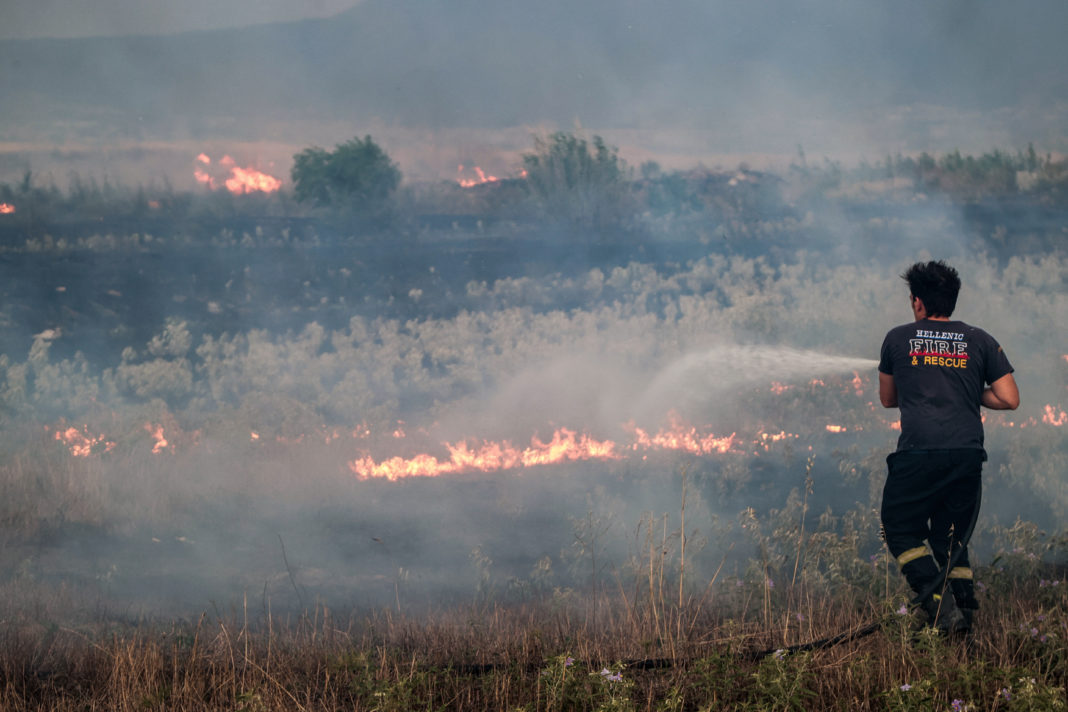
x=940, y=369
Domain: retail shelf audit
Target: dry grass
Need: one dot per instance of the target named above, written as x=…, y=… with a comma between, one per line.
x=648, y=634
x=500, y=656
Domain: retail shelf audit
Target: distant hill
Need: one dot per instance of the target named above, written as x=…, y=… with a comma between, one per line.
x=493, y=63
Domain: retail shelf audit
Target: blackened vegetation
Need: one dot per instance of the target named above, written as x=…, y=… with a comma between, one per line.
x=105, y=264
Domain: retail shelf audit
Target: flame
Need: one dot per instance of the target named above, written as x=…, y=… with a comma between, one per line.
x=836, y=428
x=6, y=208
x=81, y=443
x=764, y=440
x=1053, y=417
x=156, y=431
x=681, y=437
x=472, y=182
x=241, y=181
x=204, y=178
x=248, y=180
x=565, y=445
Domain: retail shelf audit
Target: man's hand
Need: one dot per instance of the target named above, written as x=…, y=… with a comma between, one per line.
x=1002, y=394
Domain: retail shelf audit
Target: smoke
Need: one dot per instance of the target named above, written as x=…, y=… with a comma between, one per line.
x=272, y=362
x=253, y=496
x=713, y=82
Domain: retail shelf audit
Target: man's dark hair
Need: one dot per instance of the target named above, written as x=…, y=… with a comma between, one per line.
x=936, y=284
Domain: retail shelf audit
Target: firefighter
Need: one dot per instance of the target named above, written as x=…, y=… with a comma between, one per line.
x=938, y=372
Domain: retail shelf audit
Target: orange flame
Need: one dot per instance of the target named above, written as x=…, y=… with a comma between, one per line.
x=156, y=431
x=683, y=438
x=836, y=428
x=472, y=182
x=81, y=443
x=765, y=439
x=6, y=208
x=204, y=178
x=248, y=180
x=241, y=181
x=1053, y=417
x=858, y=384
x=566, y=445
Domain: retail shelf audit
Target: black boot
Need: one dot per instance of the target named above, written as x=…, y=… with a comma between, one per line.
x=943, y=614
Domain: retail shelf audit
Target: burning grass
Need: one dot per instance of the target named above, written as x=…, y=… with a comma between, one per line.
x=182, y=527
x=664, y=614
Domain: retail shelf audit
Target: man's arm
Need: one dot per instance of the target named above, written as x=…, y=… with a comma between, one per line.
x=887, y=390
x=1002, y=394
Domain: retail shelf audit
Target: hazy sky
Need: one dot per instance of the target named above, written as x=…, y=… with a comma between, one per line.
x=689, y=80
x=87, y=18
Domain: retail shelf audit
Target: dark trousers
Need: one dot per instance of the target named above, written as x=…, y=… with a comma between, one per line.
x=930, y=496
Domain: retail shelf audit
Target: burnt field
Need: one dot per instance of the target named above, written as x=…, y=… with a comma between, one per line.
x=488, y=413
x=109, y=281
x=266, y=457
x=107, y=293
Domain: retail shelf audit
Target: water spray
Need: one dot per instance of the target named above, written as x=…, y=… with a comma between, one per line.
x=720, y=369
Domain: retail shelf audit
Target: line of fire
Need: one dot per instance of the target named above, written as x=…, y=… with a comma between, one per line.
x=564, y=444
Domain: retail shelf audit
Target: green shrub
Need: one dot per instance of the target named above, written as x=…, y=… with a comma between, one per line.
x=578, y=182
x=357, y=176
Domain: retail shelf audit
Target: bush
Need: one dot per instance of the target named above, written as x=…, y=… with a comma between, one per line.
x=577, y=183
x=357, y=176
